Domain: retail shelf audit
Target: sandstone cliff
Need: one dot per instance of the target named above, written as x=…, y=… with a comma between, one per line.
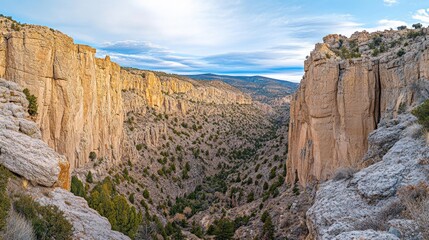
x=366, y=205
x=81, y=107
x=350, y=86
x=21, y=149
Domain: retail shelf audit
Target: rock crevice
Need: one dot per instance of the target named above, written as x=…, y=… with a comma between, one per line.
x=342, y=99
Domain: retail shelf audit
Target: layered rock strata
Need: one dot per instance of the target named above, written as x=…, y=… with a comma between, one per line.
x=366, y=205
x=81, y=107
x=349, y=86
x=21, y=149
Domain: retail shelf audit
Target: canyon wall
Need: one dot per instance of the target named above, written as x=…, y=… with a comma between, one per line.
x=343, y=97
x=80, y=102
x=79, y=96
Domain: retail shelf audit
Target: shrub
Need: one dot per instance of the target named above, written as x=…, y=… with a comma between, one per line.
x=223, y=229
x=89, y=178
x=4, y=198
x=264, y=216
x=268, y=229
x=414, y=34
x=344, y=173
x=401, y=52
x=106, y=201
x=295, y=190
x=139, y=147
x=131, y=198
x=250, y=197
x=77, y=187
x=18, y=228
x=146, y=194
x=48, y=221
x=197, y=230
x=417, y=25
x=375, y=52
x=92, y=156
x=266, y=186
x=15, y=27
x=273, y=172
x=416, y=200
x=32, y=102
x=422, y=114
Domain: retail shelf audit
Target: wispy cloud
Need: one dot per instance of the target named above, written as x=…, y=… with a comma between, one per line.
x=269, y=37
x=386, y=24
x=283, y=61
x=390, y=2
x=422, y=15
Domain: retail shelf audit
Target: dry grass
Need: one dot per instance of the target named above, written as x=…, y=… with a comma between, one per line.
x=416, y=200
x=18, y=228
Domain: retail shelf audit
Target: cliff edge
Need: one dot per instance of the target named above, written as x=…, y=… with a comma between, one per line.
x=81, y=107
x=350, y=86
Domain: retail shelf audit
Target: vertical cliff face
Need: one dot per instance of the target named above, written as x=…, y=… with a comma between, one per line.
x=343, y=97
x=80, y=97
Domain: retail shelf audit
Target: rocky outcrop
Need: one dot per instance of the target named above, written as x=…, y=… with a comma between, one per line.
x=349, y=86
x=79, y=96
x=21, y=149
x=87, y=223
x=169, y=94
x=354, y=207
x=81, y=107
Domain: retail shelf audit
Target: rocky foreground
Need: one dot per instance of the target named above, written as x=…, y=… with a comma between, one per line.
x=25, y=154
x=352, y=136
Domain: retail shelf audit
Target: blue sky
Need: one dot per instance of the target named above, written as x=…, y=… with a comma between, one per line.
x=237, y=37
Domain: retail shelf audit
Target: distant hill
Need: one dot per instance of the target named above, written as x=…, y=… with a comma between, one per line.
x=263, y=89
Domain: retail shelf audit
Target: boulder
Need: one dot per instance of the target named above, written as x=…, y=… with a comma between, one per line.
x=368, y=200
x=21, y=149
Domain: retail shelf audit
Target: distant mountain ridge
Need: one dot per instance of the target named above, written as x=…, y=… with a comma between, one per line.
x=263, y=89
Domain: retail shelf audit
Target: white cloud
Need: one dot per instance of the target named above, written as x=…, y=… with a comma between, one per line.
x=390, y=2
x=422, y=15
x=199, y=35
x=386, y=24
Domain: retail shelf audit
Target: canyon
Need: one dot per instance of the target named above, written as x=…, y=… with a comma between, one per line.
x=80, y=96
x=202, y=159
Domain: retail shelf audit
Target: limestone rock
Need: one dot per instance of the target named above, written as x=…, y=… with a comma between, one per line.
x=405, y=229
x=363, y=201
x=387, y=134
x=366, y=235
x=87, y=223
x=21, y=149
x=341, y=100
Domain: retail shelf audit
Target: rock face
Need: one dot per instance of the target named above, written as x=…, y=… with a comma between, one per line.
x=341, y=99
x=21, y=149
x=81, y=108
x=87, y=223
x=353, y=208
